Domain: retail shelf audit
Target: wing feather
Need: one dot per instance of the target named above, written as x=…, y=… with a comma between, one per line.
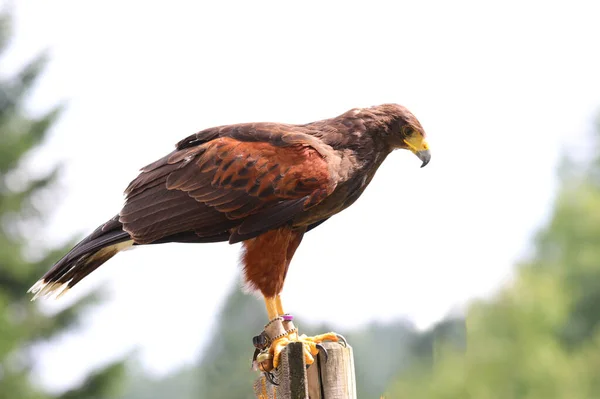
x=242, y=181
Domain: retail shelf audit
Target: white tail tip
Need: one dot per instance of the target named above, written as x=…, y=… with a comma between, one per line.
x=44, y=289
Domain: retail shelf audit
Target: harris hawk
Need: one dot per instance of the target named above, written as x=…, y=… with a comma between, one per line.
x=262, y=184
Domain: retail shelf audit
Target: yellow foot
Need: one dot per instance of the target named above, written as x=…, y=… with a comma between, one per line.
x=279, y=333
x=311, y=345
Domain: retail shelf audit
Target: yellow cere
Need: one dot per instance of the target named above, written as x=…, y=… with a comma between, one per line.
x=416, y=143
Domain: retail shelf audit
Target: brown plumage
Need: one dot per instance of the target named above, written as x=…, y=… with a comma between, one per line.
x=264, y=184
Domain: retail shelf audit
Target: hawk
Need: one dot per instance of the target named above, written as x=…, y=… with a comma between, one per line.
x=262, y=184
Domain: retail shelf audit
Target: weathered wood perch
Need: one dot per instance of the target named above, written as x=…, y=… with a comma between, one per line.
x=333, y=379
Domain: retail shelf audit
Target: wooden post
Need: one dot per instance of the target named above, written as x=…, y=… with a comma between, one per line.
x=333, y=379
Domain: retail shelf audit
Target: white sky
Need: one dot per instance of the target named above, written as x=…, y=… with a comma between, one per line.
x=500, y=90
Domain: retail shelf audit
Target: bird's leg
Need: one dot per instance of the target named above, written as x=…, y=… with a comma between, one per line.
x=267, y=259
x=280, y=332
x=279, y=305
x=273, y=307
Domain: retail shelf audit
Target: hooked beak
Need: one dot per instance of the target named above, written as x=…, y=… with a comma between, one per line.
x=424, y=156
x=419, y=147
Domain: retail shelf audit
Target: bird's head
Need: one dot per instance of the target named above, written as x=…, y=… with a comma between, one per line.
x=406, y=132
x=413, y=139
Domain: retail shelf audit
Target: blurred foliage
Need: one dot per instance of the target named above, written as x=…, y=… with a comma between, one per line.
x=180, y=384
x=224, y=369
x=22, y=324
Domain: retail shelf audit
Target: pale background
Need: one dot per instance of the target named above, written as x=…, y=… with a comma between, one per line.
x=501, y=88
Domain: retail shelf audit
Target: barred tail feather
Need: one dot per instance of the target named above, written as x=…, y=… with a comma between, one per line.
x=104, y=243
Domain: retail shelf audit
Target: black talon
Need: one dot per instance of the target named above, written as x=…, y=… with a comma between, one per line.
x=270, y=377
x=260, y=341
x=256, y=352
x=342, y=341
x=255, y=341
x=322, y=349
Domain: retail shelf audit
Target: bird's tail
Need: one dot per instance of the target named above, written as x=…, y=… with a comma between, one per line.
x=104, y=243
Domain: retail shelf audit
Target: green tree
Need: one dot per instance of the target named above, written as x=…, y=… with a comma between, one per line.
x=22, y=260
x=225, y=369
x=381, y=351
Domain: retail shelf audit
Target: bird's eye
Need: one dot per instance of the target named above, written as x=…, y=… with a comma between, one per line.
x=408, y=131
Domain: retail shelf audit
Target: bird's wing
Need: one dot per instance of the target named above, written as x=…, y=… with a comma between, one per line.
x=235, y=180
